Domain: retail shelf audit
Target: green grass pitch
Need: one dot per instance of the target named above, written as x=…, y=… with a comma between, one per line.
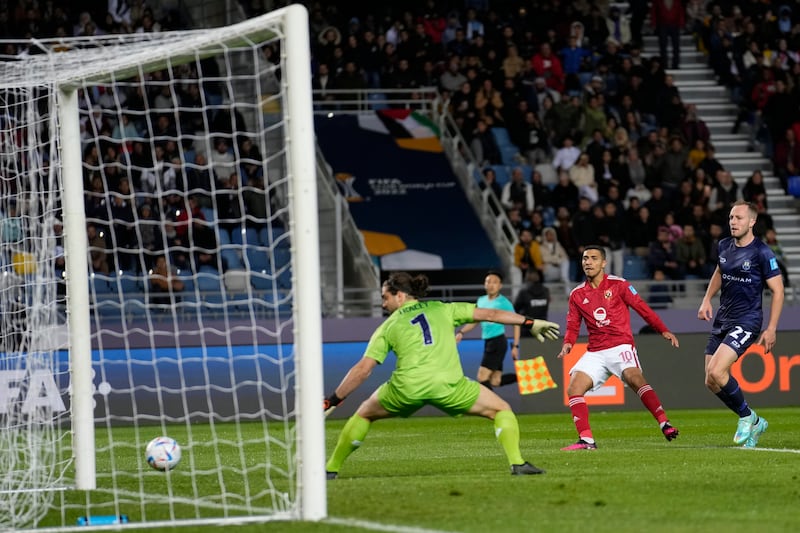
x=430, y=474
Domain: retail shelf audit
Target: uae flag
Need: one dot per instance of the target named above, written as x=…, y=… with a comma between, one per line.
x=410, y=130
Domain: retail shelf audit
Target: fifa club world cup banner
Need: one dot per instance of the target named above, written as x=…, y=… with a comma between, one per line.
x=678, y=375
x=128, y=381
x=402, y=193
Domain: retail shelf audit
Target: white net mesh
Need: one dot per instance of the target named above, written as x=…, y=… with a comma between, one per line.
x=189, y=230
x=32, y=370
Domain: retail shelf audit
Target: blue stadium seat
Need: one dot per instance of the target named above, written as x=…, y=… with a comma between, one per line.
x=635, y=268
x=211, y=302
x=508, y=151
x=261, y=279
x=213, y=99
x=478, y=175
x=208, y=279
x=285, y=277
x=659, y=297
x=278, y=303
x=188, y=281
x=501, y=137
x=223, y=236
x=793, y=186
x=135, y=306
x=258, y=258
x=527, y=172
x=377, y=101
x=264, y=236
x=209, y=214
x=251, y=237
x=273, y=236
x=246, y=236
x=189, y=156
x=282, y=257
x=109, y=307
x=100, y=284
x=130, y=283
x=231, y=259
x=508, y=155
x=239, y=302
x=502, y=174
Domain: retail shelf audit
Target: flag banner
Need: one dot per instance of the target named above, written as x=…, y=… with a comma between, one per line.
x=533, y=375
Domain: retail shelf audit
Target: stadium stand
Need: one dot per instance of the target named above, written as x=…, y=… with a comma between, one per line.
x=640, y=101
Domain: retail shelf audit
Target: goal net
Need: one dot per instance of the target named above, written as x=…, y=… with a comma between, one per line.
x=160, y=277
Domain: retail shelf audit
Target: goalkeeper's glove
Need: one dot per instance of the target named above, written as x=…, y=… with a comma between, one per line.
x=542, y=328
x=330, y=403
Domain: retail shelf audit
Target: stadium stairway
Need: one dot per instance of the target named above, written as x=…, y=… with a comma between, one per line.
x=698, y=85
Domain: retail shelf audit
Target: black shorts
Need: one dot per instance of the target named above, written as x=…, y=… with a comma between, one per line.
x=494, y=351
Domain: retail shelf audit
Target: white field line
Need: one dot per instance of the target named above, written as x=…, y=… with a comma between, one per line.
x=377, y=526
x=778, y=450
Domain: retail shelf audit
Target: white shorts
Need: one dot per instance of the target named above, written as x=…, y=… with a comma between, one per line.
x=602, y=364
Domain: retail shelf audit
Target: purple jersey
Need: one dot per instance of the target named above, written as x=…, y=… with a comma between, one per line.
x=745, y=271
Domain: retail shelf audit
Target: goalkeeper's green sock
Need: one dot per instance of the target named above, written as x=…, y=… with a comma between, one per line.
x=506, y=429
x=350, y=439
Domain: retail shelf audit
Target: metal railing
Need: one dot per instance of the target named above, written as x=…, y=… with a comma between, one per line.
x=352, y=261
x=677, y=294
x=367, y=100
x=486, y=204
x=427, y=101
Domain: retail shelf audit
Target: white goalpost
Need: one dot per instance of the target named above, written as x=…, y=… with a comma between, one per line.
x=159, y=247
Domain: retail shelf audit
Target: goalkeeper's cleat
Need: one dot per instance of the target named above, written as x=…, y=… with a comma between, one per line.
x=331, y=475
x=743, y=428
x=670, y=433
x=580, y=445
x=525, y=469
x=758, y=429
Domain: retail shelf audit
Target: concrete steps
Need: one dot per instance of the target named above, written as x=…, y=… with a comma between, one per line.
x=696, y=72
x=698, y=86
x=721, y=126
x=748, y=162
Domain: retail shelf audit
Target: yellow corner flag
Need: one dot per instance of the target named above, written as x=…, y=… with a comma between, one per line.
x=533, y=375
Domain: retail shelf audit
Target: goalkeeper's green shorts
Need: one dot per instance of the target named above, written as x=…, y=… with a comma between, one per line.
x=455, y=399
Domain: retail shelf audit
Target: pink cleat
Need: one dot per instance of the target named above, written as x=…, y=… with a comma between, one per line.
x=580, y=445
x=670, y=433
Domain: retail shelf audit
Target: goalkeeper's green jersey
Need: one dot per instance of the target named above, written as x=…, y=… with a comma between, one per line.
x=422, y=336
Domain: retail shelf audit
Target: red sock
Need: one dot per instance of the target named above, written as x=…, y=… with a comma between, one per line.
x=650, y=400
x=580, y=416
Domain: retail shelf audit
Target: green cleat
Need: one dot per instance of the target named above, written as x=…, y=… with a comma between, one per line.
x=758, y=429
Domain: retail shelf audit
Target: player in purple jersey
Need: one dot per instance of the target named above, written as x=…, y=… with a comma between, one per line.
x=745, y=265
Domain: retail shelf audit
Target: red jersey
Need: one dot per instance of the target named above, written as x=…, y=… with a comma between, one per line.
x=605, y=310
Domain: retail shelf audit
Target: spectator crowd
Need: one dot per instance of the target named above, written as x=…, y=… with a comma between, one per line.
x=604, y=150
x=170, y=170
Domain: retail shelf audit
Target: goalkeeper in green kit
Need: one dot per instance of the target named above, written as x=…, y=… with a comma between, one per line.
x=428, y=369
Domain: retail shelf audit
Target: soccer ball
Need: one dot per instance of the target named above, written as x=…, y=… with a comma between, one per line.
x=163, y=453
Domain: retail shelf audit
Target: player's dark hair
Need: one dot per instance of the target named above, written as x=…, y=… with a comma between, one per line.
x=416, y=286
x=495, y=273
x=596, y=247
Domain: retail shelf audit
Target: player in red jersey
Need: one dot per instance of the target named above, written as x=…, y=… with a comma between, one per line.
x=603, y=301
